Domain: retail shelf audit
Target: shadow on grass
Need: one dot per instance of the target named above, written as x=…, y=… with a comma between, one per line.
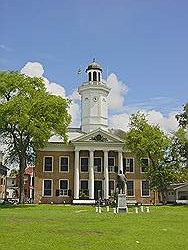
x=12, y=206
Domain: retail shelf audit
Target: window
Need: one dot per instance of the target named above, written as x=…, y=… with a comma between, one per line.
x=64, y=164
x=99, y=76
x=84, y=188
x=130, y=188
x=84, y=164
x=98, y=164
x=111, y=187
x=128, y=165
x=145, y=188
x=94, y=76
x=144, y=164
x=48, y=163
x=111, y=163
x=63, y=187
x=84, y=184
x=89, y=76
x=47, y=187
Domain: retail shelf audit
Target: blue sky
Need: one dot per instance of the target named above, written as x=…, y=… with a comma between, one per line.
x=144, y=43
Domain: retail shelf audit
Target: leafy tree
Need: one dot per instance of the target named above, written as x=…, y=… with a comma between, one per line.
x=183, y=117
x=146, y=140
x=183, y=131
x=29, y=116
x=13, y=172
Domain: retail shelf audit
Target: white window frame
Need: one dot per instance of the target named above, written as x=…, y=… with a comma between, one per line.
x=44, y=163
x=81, y=166
x=142, y=190
x=51, y=188
x=111, y=169
x=133, y=188
x=141, y=166
x=63, y=156
x=65, y=191
x=128, y=158
x=95, y=167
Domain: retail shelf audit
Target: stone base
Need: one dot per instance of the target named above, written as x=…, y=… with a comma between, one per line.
x=122, y=203
x=83, y=202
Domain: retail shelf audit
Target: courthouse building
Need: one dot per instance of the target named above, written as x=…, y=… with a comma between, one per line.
x=86, y=168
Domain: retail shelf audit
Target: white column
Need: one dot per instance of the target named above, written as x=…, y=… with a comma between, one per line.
x=91, y=174
x=106, y=177
x=120, y=161
x=76, y=175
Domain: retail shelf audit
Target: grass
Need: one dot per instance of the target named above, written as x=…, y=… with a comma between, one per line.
x=79, y=227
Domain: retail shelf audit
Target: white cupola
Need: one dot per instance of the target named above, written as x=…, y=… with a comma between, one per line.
x=94, y=105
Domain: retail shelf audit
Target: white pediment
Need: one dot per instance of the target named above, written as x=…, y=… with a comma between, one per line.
x=98, y=136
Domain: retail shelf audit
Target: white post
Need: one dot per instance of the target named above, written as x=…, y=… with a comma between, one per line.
x=76, y=175
x=106, y=177
x=136, y=210
x=142, y=209
x=147, y=209
x=91, y=175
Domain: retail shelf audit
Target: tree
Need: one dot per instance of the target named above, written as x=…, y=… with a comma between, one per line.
x=29, y=116
x=183, y=131
x=146, y=140
x=13, y=172
x=183, y=117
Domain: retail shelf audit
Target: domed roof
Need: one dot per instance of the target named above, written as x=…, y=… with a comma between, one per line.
x=94, y=65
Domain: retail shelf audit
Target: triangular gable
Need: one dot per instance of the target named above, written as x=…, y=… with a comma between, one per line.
x=98, y=135
x=181, y=186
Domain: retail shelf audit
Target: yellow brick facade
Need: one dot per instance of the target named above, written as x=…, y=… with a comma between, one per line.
x=136, y=176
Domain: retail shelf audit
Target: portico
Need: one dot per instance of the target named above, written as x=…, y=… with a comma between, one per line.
x=96, y=165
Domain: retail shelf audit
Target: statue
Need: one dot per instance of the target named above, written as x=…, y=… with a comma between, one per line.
x=121, y=183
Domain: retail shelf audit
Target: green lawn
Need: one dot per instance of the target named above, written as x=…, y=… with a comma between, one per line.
x=79, y=227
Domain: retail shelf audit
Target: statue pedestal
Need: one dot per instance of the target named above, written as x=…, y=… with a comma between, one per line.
x=122, y=203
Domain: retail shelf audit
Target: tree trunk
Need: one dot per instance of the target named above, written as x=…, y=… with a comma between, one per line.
x=163, y=195
x=21, y=180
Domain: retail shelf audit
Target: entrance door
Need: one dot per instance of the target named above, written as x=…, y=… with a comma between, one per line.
x=97, y=190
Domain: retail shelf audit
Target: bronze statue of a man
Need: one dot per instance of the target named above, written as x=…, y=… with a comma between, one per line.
x=121, y=183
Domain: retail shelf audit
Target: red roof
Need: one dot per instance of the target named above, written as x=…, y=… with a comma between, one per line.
x=29, y=170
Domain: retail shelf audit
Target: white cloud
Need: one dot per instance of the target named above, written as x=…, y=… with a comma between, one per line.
x=55, y=88
x=118, y=92
x=119, y=121
x=167, y=123
x=36, y=69
x=75, y=112
x=33, y=69
x=75, y=96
